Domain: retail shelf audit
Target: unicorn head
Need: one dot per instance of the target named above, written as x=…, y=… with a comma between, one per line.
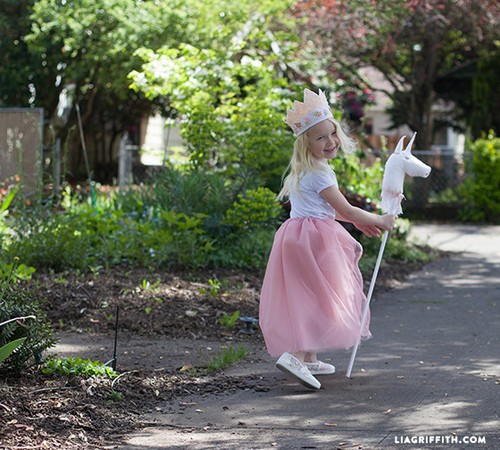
x=399, y=164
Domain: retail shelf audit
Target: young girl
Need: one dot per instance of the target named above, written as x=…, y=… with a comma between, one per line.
x=312, y=295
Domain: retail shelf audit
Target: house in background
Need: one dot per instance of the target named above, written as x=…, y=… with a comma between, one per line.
x=378, y=122
x=161, y=141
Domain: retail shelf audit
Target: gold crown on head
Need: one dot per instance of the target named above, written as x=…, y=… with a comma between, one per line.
x=303, y=115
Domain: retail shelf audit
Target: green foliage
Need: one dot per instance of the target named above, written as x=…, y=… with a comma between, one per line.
x=16, y=271
x=481, y=190
x=360, y=177
x=83, y=238
x=57, y=241
x=17, y=64
x=114, y=396
x=9, y=348
x=486, y=96
x=7, y=193
x=229, y=321
x=77, y=366
x=229, y=97
x=256, y=209
x=215, y=288
x=30, y=330
x=196, y=191
x=248, y=250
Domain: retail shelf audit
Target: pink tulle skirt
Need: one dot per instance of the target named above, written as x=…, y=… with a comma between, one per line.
x=312, y=296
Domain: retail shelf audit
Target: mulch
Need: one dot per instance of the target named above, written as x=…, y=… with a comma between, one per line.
x=73, y=412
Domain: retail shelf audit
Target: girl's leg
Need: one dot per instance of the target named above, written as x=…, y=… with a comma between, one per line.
x=310, y=357
x=301, y=356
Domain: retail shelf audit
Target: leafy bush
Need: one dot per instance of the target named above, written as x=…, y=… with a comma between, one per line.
x=194, y=191
x=356, y=176
x=257, y=208
x=232, y=107
x=248, y=250
x=83, y=237
x=44, y=239
x=17, y=302
x=481, y=190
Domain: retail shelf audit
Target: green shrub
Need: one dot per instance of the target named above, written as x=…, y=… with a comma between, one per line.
x=356, y=176
x=232, y=111
x=179, y=240
x=196, y=191
x=84, y=237
x=257, y=208
x=481, y=190
x=15, y=302
x=59, y=241
x=248, y=250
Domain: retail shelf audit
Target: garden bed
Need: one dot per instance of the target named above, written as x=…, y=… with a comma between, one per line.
x=49, y=411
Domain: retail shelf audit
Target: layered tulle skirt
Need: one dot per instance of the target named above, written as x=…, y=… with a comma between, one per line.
x=312, y=296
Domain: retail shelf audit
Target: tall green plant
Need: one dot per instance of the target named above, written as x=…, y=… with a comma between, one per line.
x=196, y=191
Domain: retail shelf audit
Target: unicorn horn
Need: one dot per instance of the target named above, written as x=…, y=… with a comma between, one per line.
x=410, y=144
x=399, y=147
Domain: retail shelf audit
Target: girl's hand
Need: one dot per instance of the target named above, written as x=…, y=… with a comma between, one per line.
x=368, y=230
x=388, y=221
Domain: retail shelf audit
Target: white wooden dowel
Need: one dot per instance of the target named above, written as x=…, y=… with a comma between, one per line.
x=368, y=300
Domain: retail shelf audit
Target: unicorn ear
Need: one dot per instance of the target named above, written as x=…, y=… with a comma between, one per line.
x=410, y=144
x=399, y=147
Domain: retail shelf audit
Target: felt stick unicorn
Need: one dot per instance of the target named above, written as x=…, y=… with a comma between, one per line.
x=399, y=164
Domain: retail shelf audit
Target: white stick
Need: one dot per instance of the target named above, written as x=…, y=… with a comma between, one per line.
x=368, y=300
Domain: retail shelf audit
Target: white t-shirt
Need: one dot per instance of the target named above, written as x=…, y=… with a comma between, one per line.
x=307, y=201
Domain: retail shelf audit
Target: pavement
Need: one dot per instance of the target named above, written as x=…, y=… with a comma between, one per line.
x=428, y=379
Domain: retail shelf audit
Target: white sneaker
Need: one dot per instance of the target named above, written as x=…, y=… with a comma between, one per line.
x=320, y=368
x=291, y=365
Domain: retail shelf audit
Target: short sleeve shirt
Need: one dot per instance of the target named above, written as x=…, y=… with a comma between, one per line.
x=307, y=201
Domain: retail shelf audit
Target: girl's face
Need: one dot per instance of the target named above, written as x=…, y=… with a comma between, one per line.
x=322, y=140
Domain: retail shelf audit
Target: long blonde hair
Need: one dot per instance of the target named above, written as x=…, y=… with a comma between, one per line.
x=303, y=161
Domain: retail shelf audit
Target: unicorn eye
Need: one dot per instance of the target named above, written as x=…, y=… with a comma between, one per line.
x=407, y=158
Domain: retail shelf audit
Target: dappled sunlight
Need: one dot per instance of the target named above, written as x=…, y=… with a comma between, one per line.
x=431, y=368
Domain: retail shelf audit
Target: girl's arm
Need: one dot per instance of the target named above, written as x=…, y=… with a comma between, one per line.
x=367, y=222
x=369, y=230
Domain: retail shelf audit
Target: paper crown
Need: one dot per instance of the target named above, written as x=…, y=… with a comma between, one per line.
x=303, y=115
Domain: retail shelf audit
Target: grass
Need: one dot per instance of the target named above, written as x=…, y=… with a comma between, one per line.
x=227, y=357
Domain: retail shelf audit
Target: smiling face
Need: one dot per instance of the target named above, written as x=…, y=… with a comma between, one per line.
x=323, y=141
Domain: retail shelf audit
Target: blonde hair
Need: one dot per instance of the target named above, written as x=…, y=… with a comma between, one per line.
x=303, y=161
